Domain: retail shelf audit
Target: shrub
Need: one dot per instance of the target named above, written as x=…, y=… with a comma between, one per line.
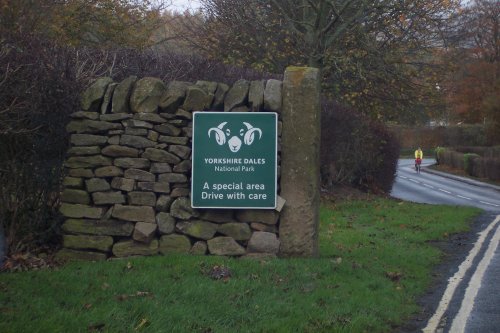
x=469, y=159
x=356, y=150
x=439, y=154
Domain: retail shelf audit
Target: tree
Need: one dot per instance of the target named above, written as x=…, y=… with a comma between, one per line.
x=474, y=86
x=371, y=53
x=104, y=23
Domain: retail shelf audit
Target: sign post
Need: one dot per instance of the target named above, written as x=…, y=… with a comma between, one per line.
x=234, y=160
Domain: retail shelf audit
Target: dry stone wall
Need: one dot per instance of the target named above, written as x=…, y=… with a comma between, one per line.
x=127, y=187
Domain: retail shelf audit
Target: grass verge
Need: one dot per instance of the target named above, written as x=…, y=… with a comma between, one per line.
x=375, y=261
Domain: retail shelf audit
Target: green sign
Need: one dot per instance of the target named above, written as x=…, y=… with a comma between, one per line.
x=234, y=160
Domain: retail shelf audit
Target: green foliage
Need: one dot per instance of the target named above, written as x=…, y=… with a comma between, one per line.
x=439, y=154
x=469, y=163
x=376, y=260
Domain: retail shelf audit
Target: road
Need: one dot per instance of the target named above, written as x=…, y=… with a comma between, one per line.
x=470, y=300
x=432, y=188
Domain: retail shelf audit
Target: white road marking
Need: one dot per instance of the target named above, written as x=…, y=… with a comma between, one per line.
x=403, y=177
x=429, y=186
x=461, y=196
x=413, y=180
x=455, y=280
x=442, y=190
x=460, y=320
x=489, y=203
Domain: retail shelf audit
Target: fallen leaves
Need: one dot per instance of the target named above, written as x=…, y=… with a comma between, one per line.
x=26, y=261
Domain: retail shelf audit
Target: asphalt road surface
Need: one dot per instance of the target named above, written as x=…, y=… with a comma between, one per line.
x=433, y=188
x=470, y=300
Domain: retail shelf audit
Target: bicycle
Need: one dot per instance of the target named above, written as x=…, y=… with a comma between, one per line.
x=418, y=163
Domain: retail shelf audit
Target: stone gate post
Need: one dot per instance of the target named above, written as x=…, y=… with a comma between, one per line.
x=300, y=164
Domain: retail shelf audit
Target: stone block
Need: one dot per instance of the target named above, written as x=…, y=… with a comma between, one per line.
x=139, y=175
x=180, y=192
x=238, y=231
x=159, y=155
x=144, y=232
x=257, y=215
x=174, y=96
x=181, y=209
x=73, y=182
x=83, y=173
x=114, y=140
x=91, y=98
x=97, y=185
x=142, y=199
x=180, y=113
x=80, y=211
x=79, y=162
x=160, y=168
x=175, y=140
x=225, y=246
x=139, y=123
x=172, y=178
x=167, y=129
x=174, y=244
x=91, y=126
x=134, y=213
x=121, y=96
x=153, y=136
x=90, y=242
x=84, y=151
x=256, y=95
x=237, y=95
x=120, y=151
x=136, y=141
x=150, y=118
x=146, y=95
x=197, y=99
x=123, y=184
x=85, y=115
x=220, y=95
x=115, y=117
x=263, y=242
x=264, y=227
x=129, y=248
x=183, y=167
x=98, y=227
x=199, y=248
x=181, y=151
x=165, y=222
x=75, y=196
x=88, y=140
x=108, y=198
x=197, y=229
x=273, y=96
x=108, y=171
x=218, y=215
x=163, y=203
x=106, y=100
x=130, y=162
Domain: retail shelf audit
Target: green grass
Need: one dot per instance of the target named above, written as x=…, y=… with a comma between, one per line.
x=375, y=261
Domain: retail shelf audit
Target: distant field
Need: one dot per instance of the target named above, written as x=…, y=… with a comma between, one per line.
x=375, y=262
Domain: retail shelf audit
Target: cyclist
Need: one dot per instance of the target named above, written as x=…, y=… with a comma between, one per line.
x=419, y=156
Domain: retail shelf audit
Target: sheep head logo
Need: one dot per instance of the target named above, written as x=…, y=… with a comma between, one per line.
x=247, y=133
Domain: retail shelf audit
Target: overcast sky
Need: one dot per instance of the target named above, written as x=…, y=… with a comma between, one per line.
x=181, y=5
